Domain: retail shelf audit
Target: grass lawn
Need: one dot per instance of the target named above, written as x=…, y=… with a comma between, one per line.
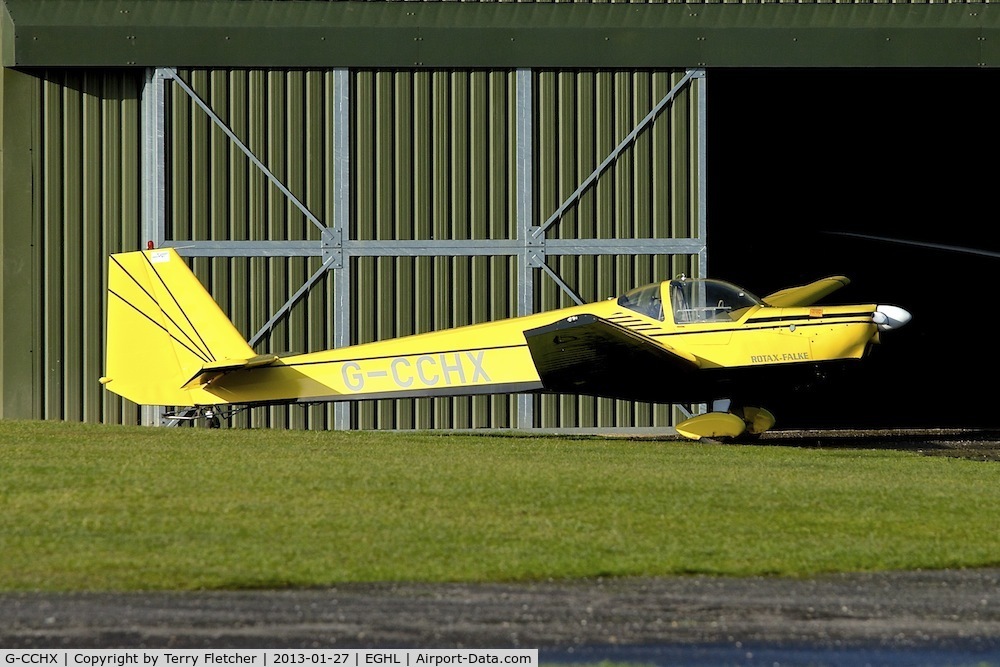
x=91, y=507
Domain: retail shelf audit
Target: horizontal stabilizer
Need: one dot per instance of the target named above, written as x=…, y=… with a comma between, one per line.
x=806, y=295
x=210, y=372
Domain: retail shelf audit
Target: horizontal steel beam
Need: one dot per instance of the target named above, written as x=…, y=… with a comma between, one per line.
x=247, y=248
x=444, y=248
x=263, y=33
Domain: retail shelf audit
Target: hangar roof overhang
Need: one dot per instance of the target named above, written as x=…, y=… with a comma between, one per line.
x=316, y=33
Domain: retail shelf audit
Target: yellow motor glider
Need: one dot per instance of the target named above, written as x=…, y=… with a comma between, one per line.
x=679, y=341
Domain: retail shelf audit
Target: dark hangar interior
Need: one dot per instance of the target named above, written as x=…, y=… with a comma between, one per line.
x=796, y=155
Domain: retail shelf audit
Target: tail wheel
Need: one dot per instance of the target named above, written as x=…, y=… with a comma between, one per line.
x=212, y=419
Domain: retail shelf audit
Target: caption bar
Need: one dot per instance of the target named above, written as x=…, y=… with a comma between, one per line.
x=270, y=658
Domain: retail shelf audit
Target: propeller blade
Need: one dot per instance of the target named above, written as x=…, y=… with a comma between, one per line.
x=920, y=244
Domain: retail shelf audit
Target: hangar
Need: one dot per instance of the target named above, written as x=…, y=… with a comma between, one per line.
x=342, y=172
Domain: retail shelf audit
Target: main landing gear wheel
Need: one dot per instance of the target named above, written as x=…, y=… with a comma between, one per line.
x=757, y=420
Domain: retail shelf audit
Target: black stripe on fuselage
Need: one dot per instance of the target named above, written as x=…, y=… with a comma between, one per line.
x=866, y=314
x=814, y=322
x=471, y=390
x=397, y=356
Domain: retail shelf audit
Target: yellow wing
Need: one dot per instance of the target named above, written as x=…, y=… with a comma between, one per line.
x=805, y=295
x=586, y=354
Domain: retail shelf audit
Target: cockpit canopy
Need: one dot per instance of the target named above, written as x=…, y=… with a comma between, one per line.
x=709, y=301
x=692, y=301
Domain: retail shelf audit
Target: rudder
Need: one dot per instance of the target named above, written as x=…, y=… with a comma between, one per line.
x=162, y=328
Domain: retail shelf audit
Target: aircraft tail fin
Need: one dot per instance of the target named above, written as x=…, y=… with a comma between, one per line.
x=164, y=329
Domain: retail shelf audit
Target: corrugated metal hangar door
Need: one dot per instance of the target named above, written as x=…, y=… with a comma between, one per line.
x=331, y=207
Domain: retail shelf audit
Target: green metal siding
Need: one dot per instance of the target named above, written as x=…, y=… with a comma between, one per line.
x=19, y=276
x=86, y=202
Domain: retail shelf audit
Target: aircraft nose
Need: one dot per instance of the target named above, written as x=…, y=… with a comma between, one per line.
x=888, y=318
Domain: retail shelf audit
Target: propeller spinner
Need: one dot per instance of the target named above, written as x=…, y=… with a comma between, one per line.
x=888, y=318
